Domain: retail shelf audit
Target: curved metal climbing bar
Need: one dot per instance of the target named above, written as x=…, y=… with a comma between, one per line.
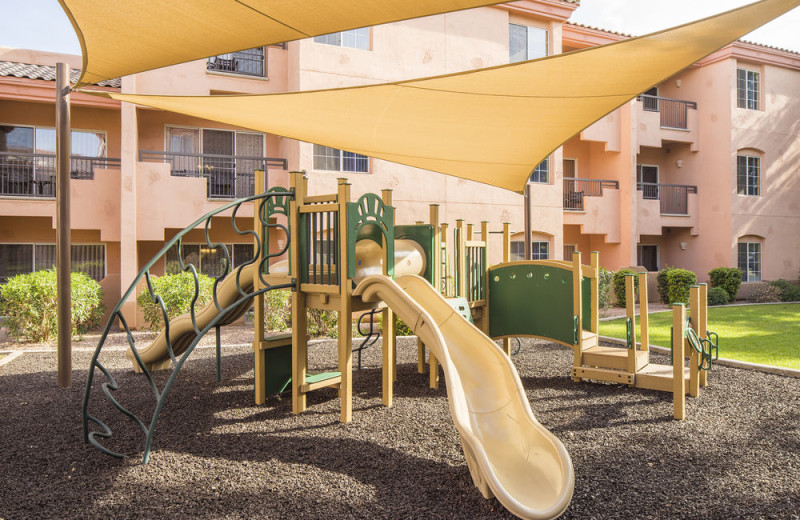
x=223, y=313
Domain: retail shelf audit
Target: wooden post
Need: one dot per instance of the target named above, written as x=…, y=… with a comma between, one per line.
x=526, y=211
x=644, y=319
x=694, y=357
x=299, y=317
x=577, y=300
x=678, y=383
x=702, y=325
x=446, y=261
x=63, y=245
x=630, y=313
x=258, y=301
x=345, y=310
x=506, y=257
x=485, y=275
x=388, y=340
x=436, y=275
x=461, y=290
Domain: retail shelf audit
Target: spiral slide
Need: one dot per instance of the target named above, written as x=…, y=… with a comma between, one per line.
x=509, y=454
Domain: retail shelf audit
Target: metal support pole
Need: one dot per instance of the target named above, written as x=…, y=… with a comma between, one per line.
x=527, y=213
x=64, y=285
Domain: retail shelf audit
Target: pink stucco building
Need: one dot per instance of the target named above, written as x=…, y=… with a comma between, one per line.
x=701, y=171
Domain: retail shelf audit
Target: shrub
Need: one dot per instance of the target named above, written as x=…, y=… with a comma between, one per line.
x=618, y=281
x=663, y=286
x=678, y=283
x=728, y=278
x=402, y=329
x=30, y=304
x=277, y=310
x=766, y=293
x=718, y=296
x=605, y=282
x=789, y=292
x=177, y=291
x=322, y=324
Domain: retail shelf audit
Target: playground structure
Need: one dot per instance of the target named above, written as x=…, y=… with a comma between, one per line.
x=342, y=256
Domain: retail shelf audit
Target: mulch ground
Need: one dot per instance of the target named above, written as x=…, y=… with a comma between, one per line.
x=217, y=455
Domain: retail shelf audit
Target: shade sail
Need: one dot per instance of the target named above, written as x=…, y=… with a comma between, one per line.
x=492, y=125
x=124, y=37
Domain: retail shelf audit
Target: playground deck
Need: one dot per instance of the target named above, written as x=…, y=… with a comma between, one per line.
x=217, y=455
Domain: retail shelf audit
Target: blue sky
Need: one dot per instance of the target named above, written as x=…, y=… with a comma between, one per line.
x=42, y=25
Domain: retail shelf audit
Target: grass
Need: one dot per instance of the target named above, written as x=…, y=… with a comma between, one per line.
x=766, y=334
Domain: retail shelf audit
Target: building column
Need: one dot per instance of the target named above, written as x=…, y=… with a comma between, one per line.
x=129, y=146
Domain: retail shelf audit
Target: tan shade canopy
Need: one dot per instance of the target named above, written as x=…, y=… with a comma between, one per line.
x=121, y=37
x=492, y=125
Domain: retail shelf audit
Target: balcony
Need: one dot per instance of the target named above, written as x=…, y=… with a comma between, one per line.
x=227, y=176
x=666, y=206
x=667, y=120
x=575, y=190
x=674, y=198
x=34, y=174
x=249, y=62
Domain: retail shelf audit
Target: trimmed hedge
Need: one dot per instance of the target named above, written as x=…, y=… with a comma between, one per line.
x=663, y=285
x=766, y=293
x=718, y=296
x=728, y=278
x=30, y=305
x=177, y=291
x=678, y=283
x=789, y=292
x=618, y=282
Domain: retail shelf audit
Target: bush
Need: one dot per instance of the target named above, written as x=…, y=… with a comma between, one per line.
x=322, y=324
x=718, y=296
x=678, y=283
x=30, y=305
x=605, y=282
x=177, y=291
x=618, y=282
x=728, y=278
x=789, y=292
x=663, y=285
x=402, y=329
x=278, y=310
x=766, y=293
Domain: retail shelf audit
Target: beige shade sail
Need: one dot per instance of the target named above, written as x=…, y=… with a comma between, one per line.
x=121, y=37
x=491, y=125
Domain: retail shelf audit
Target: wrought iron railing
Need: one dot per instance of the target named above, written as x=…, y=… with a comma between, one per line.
x=674, y=112
x=228, y=176
x=179, y=350
x=249, y=62
x=34, y=174
x=575, y=189
x=674, y=197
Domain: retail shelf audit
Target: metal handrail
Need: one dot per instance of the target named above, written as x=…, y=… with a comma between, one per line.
x=249, y=62
x=178, y=353
x=674, y=112
x=229, y=176
x=674, y=198
x=576, y=188
x=34, y=174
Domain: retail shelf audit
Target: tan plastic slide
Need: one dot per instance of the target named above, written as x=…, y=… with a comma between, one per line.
x=509, y=454
x=182, y=332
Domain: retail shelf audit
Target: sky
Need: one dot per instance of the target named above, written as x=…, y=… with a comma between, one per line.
x=42, y=24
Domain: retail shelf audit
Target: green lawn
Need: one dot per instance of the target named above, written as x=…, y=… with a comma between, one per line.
x=767, y=334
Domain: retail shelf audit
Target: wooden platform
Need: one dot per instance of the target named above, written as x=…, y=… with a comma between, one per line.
x=588, y=340
x=658, y=377
x=614, y=358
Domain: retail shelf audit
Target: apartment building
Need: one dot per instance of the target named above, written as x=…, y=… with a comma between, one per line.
x=700, y=171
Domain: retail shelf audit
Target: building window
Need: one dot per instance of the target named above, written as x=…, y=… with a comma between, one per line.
x=748, y=175
x=750, y=261
x=539, y=250
x=541, y=174
x=647, y=256
x=748, y=89
x=335, y=160
x=26, y=258
x=568, y=250
x=249, y=62
x=526, y=43
x=42, y=140
x=207, y=260
x=354, y=39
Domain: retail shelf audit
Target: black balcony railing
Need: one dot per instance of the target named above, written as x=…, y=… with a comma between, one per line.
x=674, y=112
x=229, y=176
x=34, y=174
x=250, y=62
x=575, y=189
x=674, y=197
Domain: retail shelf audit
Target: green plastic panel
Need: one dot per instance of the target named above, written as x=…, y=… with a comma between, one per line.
x=423, y=235
x=586, y=293
x=531, y=300
x=368, y=211
x=461, y=305
x=277, y=368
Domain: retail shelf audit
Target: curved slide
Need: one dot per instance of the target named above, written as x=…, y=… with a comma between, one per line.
x=181, y=331
x=508, y=452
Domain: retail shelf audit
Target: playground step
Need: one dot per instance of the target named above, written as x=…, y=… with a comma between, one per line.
x=658, y=377
x=589, y=339
x=325, y=379
x=602, y=374
x=615, y=358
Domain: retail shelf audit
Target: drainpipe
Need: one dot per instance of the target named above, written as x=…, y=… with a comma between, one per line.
x=63, y=263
